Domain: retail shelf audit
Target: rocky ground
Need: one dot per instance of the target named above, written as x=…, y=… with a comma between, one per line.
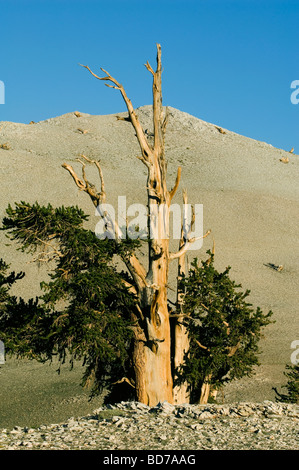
x=134, y=426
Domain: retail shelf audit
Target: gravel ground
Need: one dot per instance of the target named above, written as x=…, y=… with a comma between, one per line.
x=134, y=426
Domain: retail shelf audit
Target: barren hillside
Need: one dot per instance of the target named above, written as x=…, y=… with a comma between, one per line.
x=250, y=200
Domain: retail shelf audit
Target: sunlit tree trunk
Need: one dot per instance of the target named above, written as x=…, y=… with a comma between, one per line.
x=152, y=356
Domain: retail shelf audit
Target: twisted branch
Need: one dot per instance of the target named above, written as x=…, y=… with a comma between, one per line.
x=134, y=266
x=176, y=185
x=97, y=197
x=187, y=245
x=144, y=145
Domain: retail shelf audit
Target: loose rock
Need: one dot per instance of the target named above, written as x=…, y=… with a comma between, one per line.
x=134, y=426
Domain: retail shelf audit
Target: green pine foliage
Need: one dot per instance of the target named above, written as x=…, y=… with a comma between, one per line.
x=224, y=329
x=292, y=385
x=85, y=310
x=6, y=282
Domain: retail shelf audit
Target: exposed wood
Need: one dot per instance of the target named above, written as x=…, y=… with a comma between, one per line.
x=205, y=390
x=181, y=392
x=186, y=246
x=176, y=185
x=124, y=379
x=135, y=268
x=152, y=352
x=132, y=114
x=201, y=345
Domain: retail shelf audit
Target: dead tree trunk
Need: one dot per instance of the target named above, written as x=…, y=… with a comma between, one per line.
x=181, y=341
x=152, y=354
x=205, y=390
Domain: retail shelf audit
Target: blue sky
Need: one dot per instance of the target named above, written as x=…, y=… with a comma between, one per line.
x=227, y=62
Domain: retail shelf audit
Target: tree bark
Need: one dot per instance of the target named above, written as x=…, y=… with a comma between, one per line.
x=157, y=350
x=205, y=391
x=181, y=339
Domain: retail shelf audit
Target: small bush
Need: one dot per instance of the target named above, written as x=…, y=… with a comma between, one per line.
x=292, y=385
x=5, y=146
x=224, y=330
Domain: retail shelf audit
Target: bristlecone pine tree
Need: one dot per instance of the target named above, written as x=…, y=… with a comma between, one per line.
x=6, y=281
x=121, y=322
x=292, y=385
x=223, y=330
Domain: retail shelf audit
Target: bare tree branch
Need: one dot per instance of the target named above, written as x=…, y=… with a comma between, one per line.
x=84, y=185
x=134, y=266
x=165, y=122
x=97, y=164
x=187, y=246
x=149, y=68
x=124, y=379
x=176, y=185
x=144, y=145
x=201, y=345
x=234, y=349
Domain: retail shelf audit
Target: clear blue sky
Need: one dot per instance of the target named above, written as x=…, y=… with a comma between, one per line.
x=227, y=62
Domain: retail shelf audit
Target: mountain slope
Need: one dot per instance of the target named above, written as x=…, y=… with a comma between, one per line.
x=250, y=201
